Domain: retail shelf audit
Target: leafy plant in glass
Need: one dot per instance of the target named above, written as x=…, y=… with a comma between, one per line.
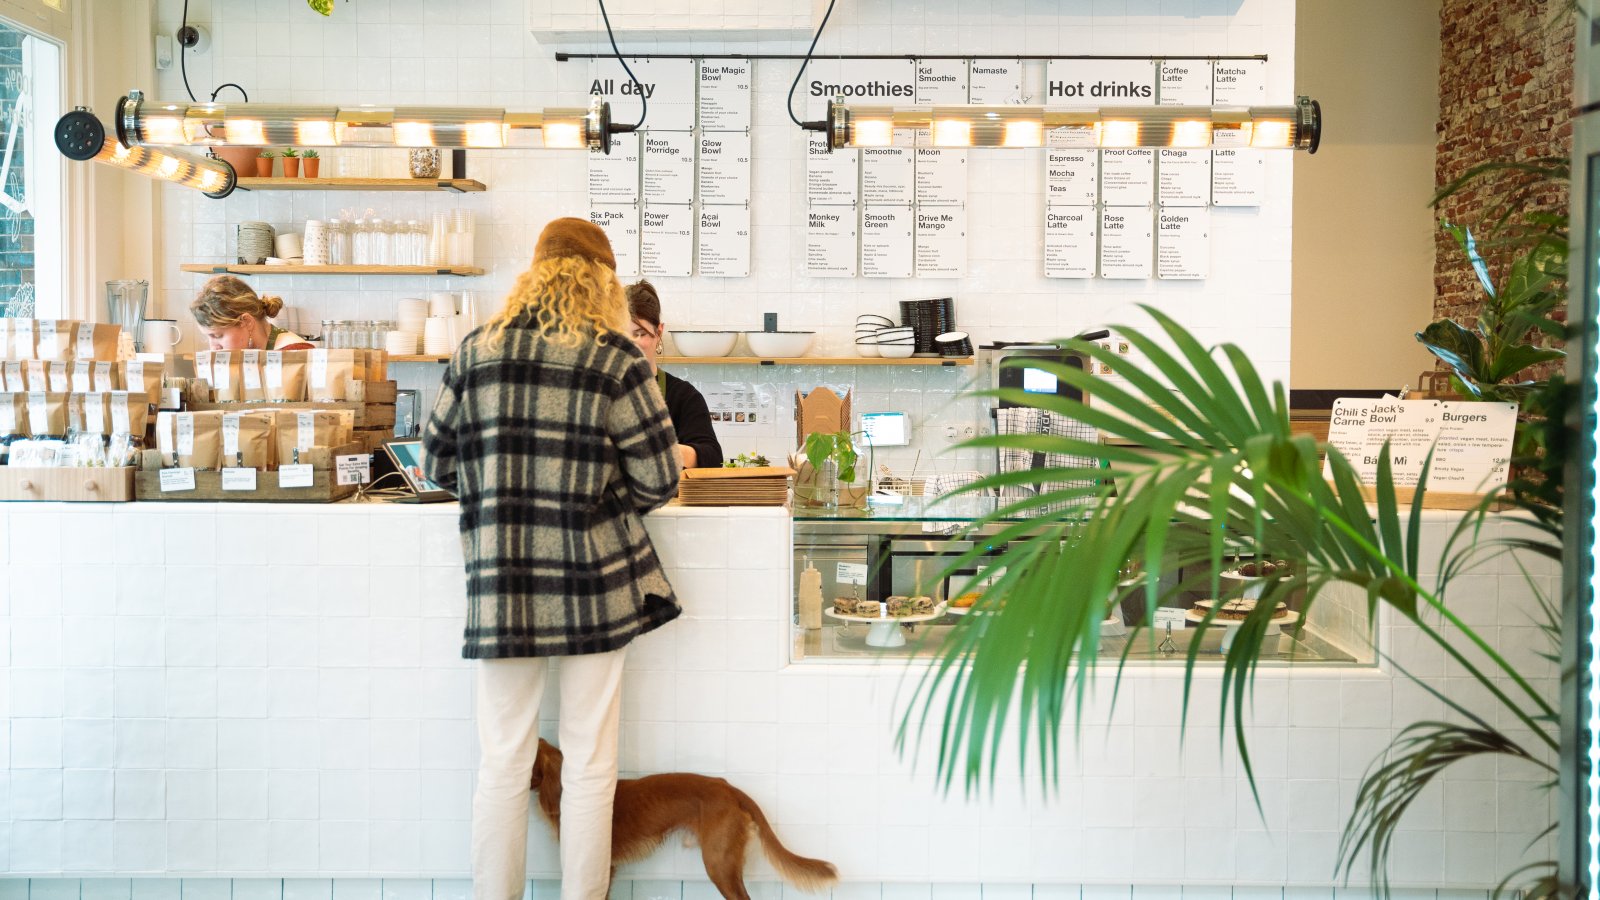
x=1206, y=469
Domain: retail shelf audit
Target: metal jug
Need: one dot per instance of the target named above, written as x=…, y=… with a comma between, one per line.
x=125, y=302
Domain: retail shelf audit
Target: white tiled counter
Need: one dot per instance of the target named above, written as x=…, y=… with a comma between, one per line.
x=246, y=692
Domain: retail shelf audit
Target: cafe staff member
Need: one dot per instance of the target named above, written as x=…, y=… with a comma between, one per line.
x=232, y=317
x=697, y=442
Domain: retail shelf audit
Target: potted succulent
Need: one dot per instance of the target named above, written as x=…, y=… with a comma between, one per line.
x=291, y=163
x=312, y=164
x=264, y=164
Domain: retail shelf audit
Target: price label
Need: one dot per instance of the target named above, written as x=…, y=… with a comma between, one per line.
x=49, y=340
x=318, y=376
x=273, y=369
x=85, y=340
x=177, y=480
x=22, y=338
x=1166, y=615
x=36, y=377
x=94, y=412
x=222, y=370
x=305, y=436
x=202, y=366
x=13, y=377
x=119, y=413
x=38, y=413
x=185, y=434
x=850, y=573
x=354, y=469
x=82, y=377
x=236, y=479
x=252, y=370
x=102, y=380
x=295, y=476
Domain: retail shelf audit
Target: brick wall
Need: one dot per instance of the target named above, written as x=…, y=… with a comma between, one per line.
x=1505, y=92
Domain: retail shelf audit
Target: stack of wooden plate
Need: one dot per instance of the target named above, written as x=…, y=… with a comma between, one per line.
x=764, y=486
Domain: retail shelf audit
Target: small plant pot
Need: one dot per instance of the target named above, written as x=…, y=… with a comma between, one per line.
x=264, y=167
x=291, y=167
x=311, y=167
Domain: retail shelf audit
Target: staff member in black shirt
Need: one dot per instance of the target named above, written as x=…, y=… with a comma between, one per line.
x=697, y=442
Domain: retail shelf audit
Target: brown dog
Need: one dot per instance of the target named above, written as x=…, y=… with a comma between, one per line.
x=719, y=815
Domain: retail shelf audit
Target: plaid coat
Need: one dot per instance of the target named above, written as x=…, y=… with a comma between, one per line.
x=555, y=453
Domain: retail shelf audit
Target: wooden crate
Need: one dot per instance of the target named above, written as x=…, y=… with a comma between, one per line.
x=368, y=415
x=208, y=484
x=113, y=485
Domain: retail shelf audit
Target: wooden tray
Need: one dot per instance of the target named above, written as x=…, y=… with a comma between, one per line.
x=208, y=484
x=75, y=485
x=720, y=473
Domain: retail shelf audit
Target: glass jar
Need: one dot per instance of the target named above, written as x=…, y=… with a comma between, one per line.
x=327, y=334
x=339, y=242
x=361, y=243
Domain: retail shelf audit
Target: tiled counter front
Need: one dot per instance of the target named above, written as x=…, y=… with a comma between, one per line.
x=245, y=692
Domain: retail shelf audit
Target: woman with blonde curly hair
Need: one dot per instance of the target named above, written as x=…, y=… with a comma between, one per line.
x=232, y=317
x=550, y=430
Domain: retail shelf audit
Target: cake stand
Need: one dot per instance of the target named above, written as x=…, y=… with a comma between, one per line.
x=1196, y=616
x=884, y=631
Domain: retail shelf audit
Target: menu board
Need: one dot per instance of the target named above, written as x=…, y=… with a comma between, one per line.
x=1071, y=177
x=666, y=240
x=886, y=241
x=941, y=176
x=995, y=81
x=1127, y=177
x=725, y=94
x=1471, y=442
x=941, y=241
x=831, y=177
x=1238, y=177
x=1185, y=82
x=669, y=85
x=941, y=82
x=1183, y=177
x=621, y=225
x=1237, y=172
x=878, y=82
x=1100, y=82
x=724, y=167
x=1069, y=241
x=831, y=242
x=723, y=241
x=887, y=175
x=1183, y=242
x=669, y=167
x=1127, y=242
x=614, y=178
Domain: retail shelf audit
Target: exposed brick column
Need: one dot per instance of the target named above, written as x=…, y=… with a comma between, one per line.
x=1505, y=92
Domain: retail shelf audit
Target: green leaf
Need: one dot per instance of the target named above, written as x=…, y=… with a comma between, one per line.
x=323, y=7
x=1508, y=362
x=1460, y=348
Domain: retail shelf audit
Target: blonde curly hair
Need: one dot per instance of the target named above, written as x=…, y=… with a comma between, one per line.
x=224, y=301
x=567, y=299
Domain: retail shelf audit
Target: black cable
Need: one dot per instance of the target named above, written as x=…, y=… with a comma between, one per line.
x=229, y=84
x=807, y=61
x=644, y=102
x=183, y=53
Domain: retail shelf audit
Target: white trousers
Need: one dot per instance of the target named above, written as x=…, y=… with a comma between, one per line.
x=509, y=691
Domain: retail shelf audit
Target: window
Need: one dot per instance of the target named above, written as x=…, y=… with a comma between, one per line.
x=30, y=175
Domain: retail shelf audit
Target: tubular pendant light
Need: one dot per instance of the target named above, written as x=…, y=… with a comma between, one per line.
x=145, y=123
x=80, y=135
x=1297, y=127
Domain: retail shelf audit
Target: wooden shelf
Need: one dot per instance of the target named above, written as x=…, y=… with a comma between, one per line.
x=453, y=185
x=420, y=358
x=238, y=269
x=944, y=362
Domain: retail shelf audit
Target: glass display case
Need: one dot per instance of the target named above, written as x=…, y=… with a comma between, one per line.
x=878, y=582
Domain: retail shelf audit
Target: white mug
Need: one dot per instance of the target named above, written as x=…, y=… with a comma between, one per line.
x=160, y=335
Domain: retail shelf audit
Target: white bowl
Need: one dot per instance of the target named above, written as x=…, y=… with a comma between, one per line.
x=705, y=343
x=867, y=346
x=774, y=344
x=896, y=351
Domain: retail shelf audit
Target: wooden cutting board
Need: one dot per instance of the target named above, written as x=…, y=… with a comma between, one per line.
x=755, y=472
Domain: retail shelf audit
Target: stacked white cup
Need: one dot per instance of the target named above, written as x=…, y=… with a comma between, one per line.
x=400, y=343
x=436, y=336
x=412, y=314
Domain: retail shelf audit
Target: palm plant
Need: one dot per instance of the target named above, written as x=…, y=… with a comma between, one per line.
x=1209, y=468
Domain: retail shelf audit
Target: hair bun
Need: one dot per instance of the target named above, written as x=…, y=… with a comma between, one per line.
x=273, y=305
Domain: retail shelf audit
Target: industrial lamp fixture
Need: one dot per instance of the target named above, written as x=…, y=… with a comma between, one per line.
x=190, y=124
x=80, y=135
x=1297, y=127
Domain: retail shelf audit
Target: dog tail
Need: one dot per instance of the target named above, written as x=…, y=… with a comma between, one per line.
x=803, y=872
